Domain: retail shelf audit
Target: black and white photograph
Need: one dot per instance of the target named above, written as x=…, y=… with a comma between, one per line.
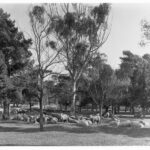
x=75, y=73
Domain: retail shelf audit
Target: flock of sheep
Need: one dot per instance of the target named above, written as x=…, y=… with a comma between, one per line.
x=54, y=118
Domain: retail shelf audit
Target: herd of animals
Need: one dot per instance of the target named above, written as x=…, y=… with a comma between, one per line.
x=54, y=118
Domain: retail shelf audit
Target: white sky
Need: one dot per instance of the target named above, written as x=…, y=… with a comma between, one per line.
x=125, y=32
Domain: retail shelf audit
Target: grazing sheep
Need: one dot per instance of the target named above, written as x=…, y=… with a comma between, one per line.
x=46, y=117
x=26, y=118
x=58, y=116
x=83, y=122
x=14, y=111
x=64, y=117
x=72, y=117
x=115, y=117
x=21, y=111
x=71, y=120
x=89, y=122
x=95, y=119
x=33, y=119
x=115, y=123
x=53, y=120
x=17, y=117
x=126, y=123
x=135, y=124
x=145, y=123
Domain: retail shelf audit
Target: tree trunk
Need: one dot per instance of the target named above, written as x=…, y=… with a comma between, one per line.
x=65, y=107
x=115, y=111
x=41, y=113
x=118, y=109
x=132, y=110
x=101, y=108
x=125, y=109
x=30, y=107
x=60, y=107
x=73, y=107
x=92, y=109
x=80, y=109
x=6, y=109
x=41, y=104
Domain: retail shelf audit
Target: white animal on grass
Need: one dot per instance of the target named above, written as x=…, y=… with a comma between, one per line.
x=145, y=123
x=89, y=122
x=135, y=124
x=83, y=122
x=95, y=118
x=64, y=117
x=54, y=120
x=126, y=123
x=46, y=117
x=115, y=123
x=71, y=120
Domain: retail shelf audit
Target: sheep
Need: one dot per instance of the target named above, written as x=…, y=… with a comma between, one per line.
x=126, y=123
x=135, y=124
x=21, y=111
x=71, y=120
x=33, y=119
x=64, y=117
x=58, y=116
x=107, y=114
x=95, y=119
x=14, y=111
x=46, y=117
x=53, y=120
x=83, y=122
x=72, y=117
x=89, y=122
x=17, y=117
x=146, y=124
x=26, y=118
x=115, y=123
x=114, y=117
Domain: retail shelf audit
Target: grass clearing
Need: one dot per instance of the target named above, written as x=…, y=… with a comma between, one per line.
x=19, y=133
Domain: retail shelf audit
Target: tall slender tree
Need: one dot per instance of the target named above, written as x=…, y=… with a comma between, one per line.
x=45, y=56
x=80, y=32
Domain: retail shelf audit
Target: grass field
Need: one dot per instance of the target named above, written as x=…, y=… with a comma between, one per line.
x=19, y=133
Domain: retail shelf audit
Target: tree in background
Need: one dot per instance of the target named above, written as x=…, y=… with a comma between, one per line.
x=137, y=70
x=30, y=85
x=80, y=31
x=100, y=79
x=62, y=91
x=5, y=85
x=118, y=92
x=14, y=47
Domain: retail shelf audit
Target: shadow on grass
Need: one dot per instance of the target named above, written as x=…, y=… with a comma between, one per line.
x=135, y=133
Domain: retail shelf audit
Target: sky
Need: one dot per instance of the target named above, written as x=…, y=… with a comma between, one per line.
x=125, y=31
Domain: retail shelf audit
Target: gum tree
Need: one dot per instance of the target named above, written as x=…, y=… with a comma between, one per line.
x=80, y=32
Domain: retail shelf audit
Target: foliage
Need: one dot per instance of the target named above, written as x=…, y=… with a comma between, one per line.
x=14, y=48
x=136, y=69
x=62, y=90
x=45, y=56
x=80, y=32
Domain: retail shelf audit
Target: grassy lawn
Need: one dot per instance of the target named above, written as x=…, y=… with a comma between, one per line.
x=19, y=133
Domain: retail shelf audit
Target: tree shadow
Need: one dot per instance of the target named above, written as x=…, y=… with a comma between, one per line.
x=130, y=132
